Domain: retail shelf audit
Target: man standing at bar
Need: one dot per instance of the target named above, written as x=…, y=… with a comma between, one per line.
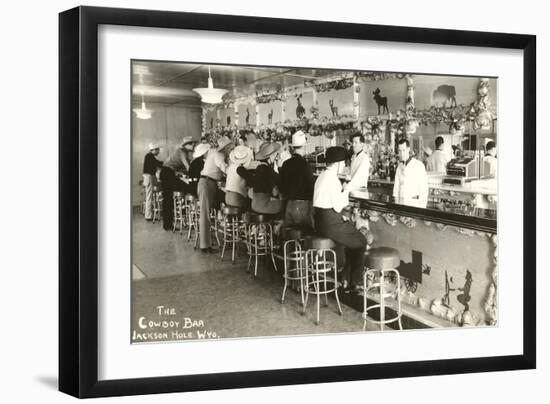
x=411, y=181
x=170, y=182
x=214, y=169
x=490, y=159
x=150, y=166
x=296, y=177
x=437, y=162
x=360, y=164
x=329, y=200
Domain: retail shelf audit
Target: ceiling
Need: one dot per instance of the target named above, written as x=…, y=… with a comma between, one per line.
x=172, y=82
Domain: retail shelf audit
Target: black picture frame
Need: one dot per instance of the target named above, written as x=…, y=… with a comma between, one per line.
x=78, y=200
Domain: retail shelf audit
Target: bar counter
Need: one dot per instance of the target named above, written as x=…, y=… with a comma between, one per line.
x=448, y=257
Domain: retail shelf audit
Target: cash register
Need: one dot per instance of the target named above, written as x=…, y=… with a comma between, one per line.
x=461, y=170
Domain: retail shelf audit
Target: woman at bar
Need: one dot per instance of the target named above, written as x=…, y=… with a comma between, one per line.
x=329, y=199
x=264, y=181
x=236, y=189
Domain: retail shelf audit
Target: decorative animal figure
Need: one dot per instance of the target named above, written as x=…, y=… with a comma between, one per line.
x=270, y=116
x=381, y=101
x=247, y=118
x=300, y=110
x=228, y=120
x=211, y=122
x=333, y=109
x=445, y=93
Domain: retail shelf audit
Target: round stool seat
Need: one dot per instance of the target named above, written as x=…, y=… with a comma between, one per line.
x=177, y=194
x=189, y=197
x=382, y=258
x=232, y=210
x=318, y=242
x=156, y=188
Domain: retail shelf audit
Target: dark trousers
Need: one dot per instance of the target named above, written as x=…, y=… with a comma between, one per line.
x=351, y=244
x=170, y=183
x=299, y=213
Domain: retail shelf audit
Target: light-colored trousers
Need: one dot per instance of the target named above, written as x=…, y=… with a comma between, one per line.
x=148, y=184
x=206, y=191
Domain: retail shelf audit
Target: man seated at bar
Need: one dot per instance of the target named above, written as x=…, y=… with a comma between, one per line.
x=490, y=159
x=296, y=179
x=360, y=164
x=411, y=181
x=236, y=190
x=437, y=162
x=329, y=199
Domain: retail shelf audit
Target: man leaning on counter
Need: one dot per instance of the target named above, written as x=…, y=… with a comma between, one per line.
x=360, y=164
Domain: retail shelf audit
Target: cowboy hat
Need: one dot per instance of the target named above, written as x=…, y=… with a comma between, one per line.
x=241, y=155
x=266, y=150
x=187, y=140
x=153, y=146
x=335, y=154
x=298, y=139
x=223, y=142
x=200, y=150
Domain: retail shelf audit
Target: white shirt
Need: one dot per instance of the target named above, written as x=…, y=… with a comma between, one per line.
x=327, y=193
x=214, y=165
x=411, y=184
x=437, y=162
x=490, y=163
x=234, y=182
x=359, y=170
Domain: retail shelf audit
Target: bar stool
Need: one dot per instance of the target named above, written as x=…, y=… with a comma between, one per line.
x=320, y=261
x=260, y=240
x=157, y=204
x=214, y=227
x=380, y=262
x=178, y=212
x=231, y=229
x=193, y=217
x=294, y=258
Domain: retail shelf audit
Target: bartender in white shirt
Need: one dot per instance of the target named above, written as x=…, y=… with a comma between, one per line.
x=360, y=164
x=490, y=159
x=411, y=181
x=437, y=162
x=328, y=200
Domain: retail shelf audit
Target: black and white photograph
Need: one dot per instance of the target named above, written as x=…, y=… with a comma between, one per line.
x=272, y=201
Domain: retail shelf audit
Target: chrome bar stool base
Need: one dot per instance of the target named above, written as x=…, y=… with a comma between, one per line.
x=381, y=262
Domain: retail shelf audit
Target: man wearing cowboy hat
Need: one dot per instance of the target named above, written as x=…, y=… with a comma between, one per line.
x=329, y=200
x=236, y=190
x=196, y=166
x=297, y=182
x=150, y=167
x=264, y=181
x=179, y=161
x=213, y=171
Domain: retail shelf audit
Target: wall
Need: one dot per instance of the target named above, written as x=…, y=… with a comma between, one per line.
x=167, y=126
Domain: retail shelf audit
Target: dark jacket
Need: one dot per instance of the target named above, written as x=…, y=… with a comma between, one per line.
x=296, y=178
x=262, y=179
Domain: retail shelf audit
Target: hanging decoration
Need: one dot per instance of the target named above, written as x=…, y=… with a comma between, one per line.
x=335, y=84
x=278, y=95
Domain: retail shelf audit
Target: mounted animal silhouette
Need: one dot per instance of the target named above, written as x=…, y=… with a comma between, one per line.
x=445, y=93
x=247, y=118
x=381, y=101
x=270, y=116
x=333, y=109
x=300, y=110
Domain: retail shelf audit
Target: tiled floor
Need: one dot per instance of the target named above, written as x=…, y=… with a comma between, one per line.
x=207, y=295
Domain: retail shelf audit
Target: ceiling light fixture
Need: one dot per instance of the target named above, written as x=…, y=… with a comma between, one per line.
x=143, y=112
x=210, y=95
